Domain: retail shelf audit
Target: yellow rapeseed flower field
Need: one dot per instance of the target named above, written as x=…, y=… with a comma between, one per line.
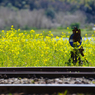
x=22, y=50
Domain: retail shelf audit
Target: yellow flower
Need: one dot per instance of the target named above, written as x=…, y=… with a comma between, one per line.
x=32, y=31
x=12, y=26
x=31, y=49
x=57, y=37
x=76, y=31
x=92, y=35
x=78, y=43
x=18, y=29
x=3, y=31
x=51, y=34
x=85, y=34
x=49, y=31
x=67, y=27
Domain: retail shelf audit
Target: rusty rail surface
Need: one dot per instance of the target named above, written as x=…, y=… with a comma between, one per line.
x=47, y=72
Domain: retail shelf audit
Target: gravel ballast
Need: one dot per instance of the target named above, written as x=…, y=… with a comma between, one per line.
x=63, y=80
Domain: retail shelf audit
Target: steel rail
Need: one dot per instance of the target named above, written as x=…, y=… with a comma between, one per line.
x=81, y=69
x=47, y=72
x=49, y=85
x=34, y=72
x=48, y=88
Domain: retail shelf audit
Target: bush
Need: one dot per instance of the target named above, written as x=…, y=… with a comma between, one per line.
x=75, y=25
x=50, y=13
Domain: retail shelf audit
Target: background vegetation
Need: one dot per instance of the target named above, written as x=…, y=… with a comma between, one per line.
x=41, y=14
x=34, y=44
x=19, y=48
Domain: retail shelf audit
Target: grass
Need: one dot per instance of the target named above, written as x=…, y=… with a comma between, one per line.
x=19, y=48
x=57, y=32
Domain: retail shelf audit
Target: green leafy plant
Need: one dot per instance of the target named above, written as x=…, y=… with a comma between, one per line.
x=75, y=25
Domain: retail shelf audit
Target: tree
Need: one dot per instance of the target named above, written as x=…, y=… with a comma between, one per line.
x=50, y=13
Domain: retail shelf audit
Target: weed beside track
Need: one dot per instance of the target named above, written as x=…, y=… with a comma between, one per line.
x=19, y=49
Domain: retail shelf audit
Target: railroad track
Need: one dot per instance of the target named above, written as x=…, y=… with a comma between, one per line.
x=47, y=73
